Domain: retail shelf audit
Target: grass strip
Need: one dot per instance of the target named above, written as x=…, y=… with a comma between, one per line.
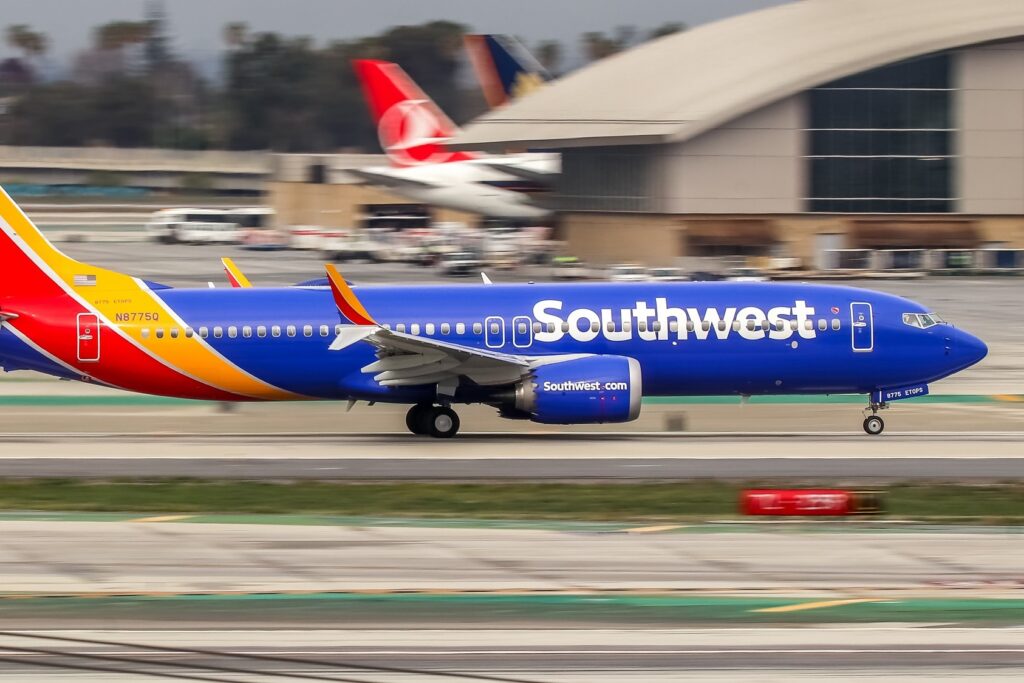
x=997, y=504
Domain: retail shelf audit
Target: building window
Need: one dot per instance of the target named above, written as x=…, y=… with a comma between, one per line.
x=881, y=141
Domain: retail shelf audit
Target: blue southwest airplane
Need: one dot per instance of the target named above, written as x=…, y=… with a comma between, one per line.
x=557, y=354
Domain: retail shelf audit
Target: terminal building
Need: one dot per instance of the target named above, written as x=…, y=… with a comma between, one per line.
x=797, y=131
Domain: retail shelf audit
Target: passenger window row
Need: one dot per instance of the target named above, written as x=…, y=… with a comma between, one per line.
x=643, y=326
x=233, y=332
x=276, y=331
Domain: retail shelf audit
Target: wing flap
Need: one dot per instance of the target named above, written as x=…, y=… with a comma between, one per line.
x=387, y=179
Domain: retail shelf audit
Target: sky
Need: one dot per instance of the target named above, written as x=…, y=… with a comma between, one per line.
x=196, y=26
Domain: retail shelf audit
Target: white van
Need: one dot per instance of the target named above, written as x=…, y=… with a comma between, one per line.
x=256, y=217
x=190, y=225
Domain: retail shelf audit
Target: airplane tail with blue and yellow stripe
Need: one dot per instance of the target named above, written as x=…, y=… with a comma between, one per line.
x=506, y=70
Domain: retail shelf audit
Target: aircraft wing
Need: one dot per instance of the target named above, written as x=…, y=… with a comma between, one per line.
x=530, y=174
x=383, y=177
x=410, y=360
x=407, y=360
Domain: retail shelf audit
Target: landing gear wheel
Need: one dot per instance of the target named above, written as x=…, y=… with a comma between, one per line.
x=874, y=425
x=443, y=423
x=416, y=419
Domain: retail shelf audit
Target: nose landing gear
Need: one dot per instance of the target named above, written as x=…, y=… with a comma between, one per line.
x=873, y=423
x=440, y=422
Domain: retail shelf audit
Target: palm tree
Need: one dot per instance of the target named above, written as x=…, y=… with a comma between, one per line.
x=235, y=34
x=32, y=43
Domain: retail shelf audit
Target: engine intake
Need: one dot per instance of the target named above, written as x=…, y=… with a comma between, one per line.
x=590, y=390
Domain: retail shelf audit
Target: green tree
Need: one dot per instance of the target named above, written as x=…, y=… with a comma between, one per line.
x=549, y=54
x=117, y=35
x=597, y=45
x=127, y=112
x=31, y=43
x=59, y=114
x=667, y=29
x=235, y=34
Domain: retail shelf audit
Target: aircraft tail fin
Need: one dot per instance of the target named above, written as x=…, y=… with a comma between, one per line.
x=30, y=266
x=411, y=128
x=505, y=68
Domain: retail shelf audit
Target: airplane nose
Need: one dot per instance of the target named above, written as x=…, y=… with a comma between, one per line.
x=968, y=349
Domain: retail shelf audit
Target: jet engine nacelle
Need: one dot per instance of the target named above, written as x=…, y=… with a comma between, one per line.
x=587, y=390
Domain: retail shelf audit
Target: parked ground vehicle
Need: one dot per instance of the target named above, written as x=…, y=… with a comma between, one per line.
x=210, y=232
x=181, y=224
x=745, y=275
x=256, y=217
x=666, y=274
x=461, y=264
x=569, y=268
x=627, y=273
x=209, y=226
x=305, y=237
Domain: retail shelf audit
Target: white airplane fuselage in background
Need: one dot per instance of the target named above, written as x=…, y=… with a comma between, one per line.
x=473, y=185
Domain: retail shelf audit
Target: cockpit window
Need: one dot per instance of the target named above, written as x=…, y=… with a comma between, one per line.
x=922, y=320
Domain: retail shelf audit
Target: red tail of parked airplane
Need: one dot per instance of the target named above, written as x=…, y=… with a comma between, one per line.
x=411, y=128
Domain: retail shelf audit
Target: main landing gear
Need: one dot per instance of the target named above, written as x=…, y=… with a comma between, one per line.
x=873, y=423
x=440, y=422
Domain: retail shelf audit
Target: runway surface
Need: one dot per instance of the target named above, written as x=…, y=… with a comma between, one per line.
x=929, y=456
x=165, y=553
x=518, y=655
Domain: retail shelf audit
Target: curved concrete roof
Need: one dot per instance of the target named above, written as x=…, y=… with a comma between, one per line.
x=679, y=86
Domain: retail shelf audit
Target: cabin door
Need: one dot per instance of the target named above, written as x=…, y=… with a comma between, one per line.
x=863, y=327
x=88, y=338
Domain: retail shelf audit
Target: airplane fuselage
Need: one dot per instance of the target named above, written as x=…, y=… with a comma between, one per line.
x=688, y=338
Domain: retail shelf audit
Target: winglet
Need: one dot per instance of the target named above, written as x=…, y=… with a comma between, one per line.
x=235, y=276
x=487, y=280
x=346, y=299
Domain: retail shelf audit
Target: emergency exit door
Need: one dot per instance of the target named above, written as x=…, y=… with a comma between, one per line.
x=863, y=326
x=88, y=338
